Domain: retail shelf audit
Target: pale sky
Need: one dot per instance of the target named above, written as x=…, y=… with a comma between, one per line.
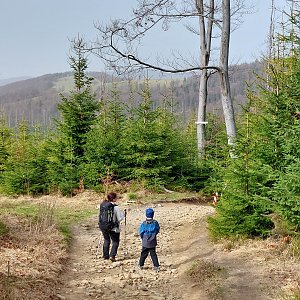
x=35, y=34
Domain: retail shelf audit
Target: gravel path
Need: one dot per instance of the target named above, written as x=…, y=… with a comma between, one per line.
x=91, y=278
x=251, y=271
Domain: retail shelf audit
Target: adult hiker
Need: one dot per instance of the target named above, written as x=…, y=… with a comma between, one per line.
x=148, y=232
x=110, y=216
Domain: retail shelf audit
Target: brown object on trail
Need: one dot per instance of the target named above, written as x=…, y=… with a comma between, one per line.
x=286, y=239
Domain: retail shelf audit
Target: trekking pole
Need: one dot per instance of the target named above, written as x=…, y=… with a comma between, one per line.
x=98, y=245
x=125, y=248
x=125, y=212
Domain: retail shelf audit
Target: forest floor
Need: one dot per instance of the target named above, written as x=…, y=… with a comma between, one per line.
x=192, y=266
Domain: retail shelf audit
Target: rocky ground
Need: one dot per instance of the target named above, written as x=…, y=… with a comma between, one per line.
x=253, y=270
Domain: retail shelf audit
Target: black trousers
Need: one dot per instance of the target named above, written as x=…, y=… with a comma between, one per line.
x=144, y=254
x=108, y=237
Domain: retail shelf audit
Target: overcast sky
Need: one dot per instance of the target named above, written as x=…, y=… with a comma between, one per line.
x=35, y=34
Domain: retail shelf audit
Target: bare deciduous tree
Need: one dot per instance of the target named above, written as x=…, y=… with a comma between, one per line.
x=119, y=41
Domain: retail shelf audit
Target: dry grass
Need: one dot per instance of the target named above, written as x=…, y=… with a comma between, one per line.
x=44, y=220
x=294, y=247
x=3, y=229
x=293, y=293
x=34, y=248
x=203, y=270
x=31, y=256
x=208, y=275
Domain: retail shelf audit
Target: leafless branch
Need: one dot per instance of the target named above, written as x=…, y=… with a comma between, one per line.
x=118, y=41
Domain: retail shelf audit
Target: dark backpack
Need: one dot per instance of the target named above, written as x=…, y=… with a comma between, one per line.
x=106, y=213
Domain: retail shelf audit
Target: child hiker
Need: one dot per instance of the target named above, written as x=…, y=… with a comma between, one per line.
x=148, y=232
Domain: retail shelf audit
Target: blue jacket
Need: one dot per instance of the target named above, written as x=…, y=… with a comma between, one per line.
x=148, y=232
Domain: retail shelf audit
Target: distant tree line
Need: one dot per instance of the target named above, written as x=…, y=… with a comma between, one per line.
x=36, y=99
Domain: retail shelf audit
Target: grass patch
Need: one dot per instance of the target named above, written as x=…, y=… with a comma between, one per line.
x=202, y=271
x=23, y=208
x=294, y=248
x=39, y=216
x=296, y=296
x=231, y=242
x=209, y=276
x=71, y=216
x=44, y=215
x=66, y=231
x=7, y=287
x=66, y=217
x=132, y=196
x=293, y=295
x=3, y=229
x=31, y=210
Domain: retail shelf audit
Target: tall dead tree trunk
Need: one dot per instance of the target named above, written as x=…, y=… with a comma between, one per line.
x=224, y=76
x=201, y=115
x=205, y=50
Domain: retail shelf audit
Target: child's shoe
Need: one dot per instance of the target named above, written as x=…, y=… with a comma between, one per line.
x=156, y=269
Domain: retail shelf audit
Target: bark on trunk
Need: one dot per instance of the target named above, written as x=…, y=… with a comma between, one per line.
x=224, y=77
x=201, y=117
x=205, y=50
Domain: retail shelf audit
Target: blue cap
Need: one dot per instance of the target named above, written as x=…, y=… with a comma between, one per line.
x=149, y=213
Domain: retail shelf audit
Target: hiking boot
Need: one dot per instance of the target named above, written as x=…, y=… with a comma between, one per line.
x=139, y=266
x=113, y=259
x=156, y=269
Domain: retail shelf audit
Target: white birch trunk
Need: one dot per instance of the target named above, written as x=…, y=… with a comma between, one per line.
x=201, y=116
x=205, y=50
x=224, y=77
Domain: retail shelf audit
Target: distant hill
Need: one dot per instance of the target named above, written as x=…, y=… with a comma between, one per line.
x=36, y=99
x=11, y=80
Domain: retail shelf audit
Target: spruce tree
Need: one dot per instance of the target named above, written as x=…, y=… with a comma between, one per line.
x=243, y=185
x=79, y=110
x=103, y=149
x=264, y=177
x=78, y=113
x=26, y=166
x=154, y=145
x=280, y=115
x=287, y=130
x=142, y=143
x=5, y=142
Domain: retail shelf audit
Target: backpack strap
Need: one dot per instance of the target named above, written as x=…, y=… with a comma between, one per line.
x=149, y=221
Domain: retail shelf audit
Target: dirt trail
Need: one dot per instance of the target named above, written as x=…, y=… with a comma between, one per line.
x=246, y=272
